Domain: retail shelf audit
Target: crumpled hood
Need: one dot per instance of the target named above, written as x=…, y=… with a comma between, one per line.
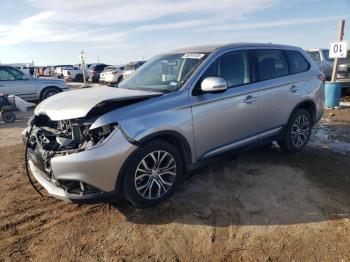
x=78, y=103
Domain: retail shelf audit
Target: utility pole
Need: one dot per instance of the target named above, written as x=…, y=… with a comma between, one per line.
x=341, y=35
x=82, y=58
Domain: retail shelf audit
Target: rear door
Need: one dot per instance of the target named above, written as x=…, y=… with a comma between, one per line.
x=14, y=82
x=283, y=84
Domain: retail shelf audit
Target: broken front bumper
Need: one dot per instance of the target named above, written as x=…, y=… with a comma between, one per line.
x=97, y=167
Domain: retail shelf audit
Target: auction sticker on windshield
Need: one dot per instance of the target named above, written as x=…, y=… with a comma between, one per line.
x=193, y=55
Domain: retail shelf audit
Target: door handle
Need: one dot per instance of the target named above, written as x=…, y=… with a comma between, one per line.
x=249, y=99
x=293, y=88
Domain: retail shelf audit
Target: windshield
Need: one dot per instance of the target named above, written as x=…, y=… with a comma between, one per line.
x=164, y=73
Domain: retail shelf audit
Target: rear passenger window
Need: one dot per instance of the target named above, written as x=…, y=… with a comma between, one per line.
x=272, y=64
x=233, y=67
x=297, y=62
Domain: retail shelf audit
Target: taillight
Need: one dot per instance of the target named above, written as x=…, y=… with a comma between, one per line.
x=322, y=77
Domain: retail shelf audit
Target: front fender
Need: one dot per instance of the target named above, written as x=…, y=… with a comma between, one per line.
x=171, y=112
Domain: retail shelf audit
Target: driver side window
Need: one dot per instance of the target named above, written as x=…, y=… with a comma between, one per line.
x=233, y=67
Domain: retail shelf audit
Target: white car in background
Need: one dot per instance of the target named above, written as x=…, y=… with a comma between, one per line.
x=112, y=76
x=73, y=74
x=131, y=68
x=105, y=70
x=58, y=70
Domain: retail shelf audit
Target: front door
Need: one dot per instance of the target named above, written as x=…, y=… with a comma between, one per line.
x=223, y=121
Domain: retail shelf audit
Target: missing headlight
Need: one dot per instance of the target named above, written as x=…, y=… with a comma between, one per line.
x=98, y=135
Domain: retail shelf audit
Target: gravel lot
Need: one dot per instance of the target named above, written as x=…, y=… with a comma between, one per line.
x=263, y=205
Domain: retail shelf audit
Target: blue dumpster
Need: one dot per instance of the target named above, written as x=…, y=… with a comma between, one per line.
x=332, y=94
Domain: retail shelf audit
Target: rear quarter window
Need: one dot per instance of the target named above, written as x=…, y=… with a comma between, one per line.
x=297, y=62
x=315, y=55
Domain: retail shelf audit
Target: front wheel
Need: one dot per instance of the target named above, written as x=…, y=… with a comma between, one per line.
x=152, y=174
x=8, y=117
x=298, y=131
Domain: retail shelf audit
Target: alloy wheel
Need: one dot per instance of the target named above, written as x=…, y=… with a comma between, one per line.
x=300, y=131
x=155, y=174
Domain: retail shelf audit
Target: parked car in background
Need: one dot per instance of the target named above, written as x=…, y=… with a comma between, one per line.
x=15, y=82
x=94, y=71
x=322, y=60
x=58, y=70
x=114, y=76
x=105, y=70
x=131, y=68
x=343, y=74
x=173, y=113
x=44, y=71
x=28, y=70
x=73, y=74
x=25, y=70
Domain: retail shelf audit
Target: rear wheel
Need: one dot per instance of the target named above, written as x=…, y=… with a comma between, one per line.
x=298, y=131
x=152, y=174
x=50, y=91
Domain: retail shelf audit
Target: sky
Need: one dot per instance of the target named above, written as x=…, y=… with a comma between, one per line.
x=52, y=32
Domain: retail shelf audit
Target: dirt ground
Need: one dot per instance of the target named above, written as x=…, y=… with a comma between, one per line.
x=262, y=205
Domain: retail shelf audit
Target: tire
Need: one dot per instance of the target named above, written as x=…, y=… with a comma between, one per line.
x=78, y=78
x=50, y=91
x=298, y=131
x=8, y=117
x=143, y=186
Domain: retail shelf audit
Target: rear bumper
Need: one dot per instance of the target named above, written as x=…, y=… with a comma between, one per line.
x=97, y=167
x=93, y=78
x=111, y=78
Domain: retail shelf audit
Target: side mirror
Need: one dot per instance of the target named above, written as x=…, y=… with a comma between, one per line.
x=213, y=84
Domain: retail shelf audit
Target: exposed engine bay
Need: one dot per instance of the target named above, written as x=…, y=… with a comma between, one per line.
x=51, y=138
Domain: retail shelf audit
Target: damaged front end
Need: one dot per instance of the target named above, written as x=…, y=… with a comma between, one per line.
x=71, y=155
x=51, y=139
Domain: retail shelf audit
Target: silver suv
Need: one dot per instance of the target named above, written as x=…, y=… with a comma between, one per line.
x=176, y=111
x=15, y=82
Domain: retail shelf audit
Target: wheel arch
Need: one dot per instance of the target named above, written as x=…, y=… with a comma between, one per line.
x=174, y=138
x=307, y=105
x=47, y=87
